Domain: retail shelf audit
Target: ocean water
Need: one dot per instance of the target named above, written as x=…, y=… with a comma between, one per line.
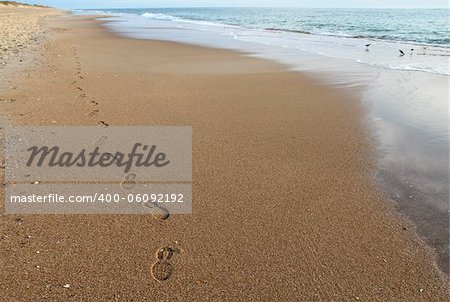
x=428, y=26
x=424, y=30
x=406, y=96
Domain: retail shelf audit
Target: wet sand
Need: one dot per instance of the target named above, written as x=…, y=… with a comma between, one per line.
x=285, y=206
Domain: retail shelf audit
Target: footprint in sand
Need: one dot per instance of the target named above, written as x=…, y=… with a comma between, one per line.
x=129, y=181
x=162, y=269
x=157, y=212
x=92, y=113
x=99, y=141
x=160, y=213
x=8, y=100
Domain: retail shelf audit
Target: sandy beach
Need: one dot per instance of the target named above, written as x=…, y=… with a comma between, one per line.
x=21, y=31
x=285, y=207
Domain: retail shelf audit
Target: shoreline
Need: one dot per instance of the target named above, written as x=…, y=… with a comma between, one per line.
x=344, y=224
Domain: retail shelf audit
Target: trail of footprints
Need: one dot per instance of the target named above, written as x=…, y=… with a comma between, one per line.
x=162, y=268
x=77, y=86
x=156, y=211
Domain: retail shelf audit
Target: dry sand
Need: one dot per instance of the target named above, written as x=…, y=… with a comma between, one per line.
x=284, y=204
x=20, y=32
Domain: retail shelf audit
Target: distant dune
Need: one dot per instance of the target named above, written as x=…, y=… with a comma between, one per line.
x=18, y=4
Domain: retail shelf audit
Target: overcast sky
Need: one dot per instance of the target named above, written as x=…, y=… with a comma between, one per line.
x=221, y=3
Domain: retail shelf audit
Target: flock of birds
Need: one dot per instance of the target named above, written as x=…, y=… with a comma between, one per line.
x=402, y=53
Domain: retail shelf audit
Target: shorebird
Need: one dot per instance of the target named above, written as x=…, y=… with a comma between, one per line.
x=367, y=47
x=401, y=53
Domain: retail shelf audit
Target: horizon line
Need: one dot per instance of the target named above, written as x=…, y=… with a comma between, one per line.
x=307, y=7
